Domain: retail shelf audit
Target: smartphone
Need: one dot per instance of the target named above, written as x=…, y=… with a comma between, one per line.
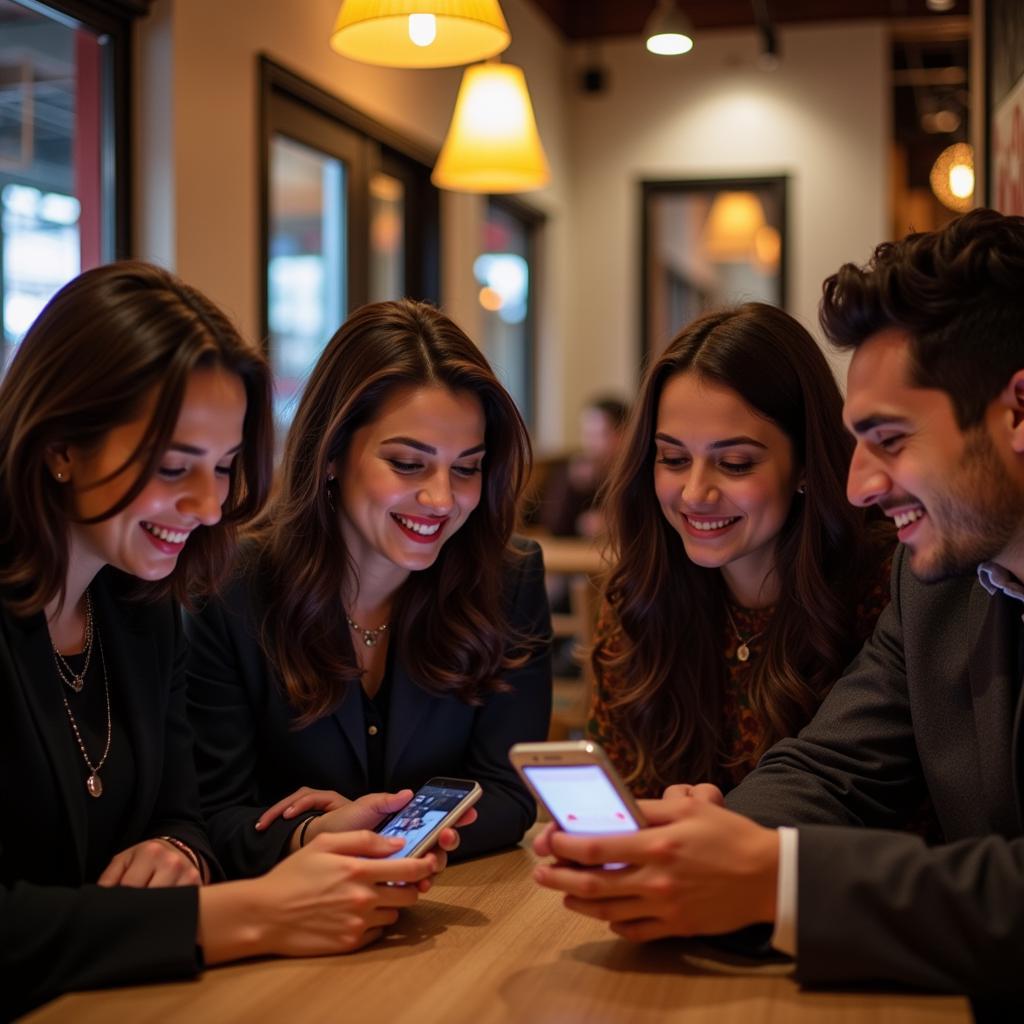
x=578, y=785
x=434, y=806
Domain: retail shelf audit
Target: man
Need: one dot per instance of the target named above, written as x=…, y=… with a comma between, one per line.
x=932, y=705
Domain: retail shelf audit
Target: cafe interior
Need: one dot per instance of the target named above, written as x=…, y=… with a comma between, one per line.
x=570, y=180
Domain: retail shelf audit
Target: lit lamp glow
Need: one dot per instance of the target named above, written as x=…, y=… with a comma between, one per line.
x=668, y=31
x=952, y=177
x=734, y=221
x=492, y=144
x=420, y=33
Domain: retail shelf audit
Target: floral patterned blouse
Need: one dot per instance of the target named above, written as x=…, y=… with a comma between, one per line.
x=742, y=728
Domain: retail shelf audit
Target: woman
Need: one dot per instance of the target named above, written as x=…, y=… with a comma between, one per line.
x=384, y=628
x=134, y=440
x=742, y=579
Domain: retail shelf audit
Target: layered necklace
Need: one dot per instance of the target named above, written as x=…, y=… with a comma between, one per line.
x=75, y=681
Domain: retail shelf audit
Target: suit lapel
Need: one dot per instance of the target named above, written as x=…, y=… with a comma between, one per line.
x=410, y=705
x=349, y=715
x=30, y=650
x=992, y=664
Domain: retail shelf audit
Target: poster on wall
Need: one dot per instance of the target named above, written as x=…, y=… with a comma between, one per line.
x=1004, y=34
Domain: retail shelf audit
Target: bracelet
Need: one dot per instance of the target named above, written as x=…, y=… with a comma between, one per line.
x=184, y=848
x=302, y=830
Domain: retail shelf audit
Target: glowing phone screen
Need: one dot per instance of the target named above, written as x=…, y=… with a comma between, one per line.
x=581, y=799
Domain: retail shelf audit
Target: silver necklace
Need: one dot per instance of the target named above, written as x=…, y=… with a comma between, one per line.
x=370, y=636
x=93, y=783
x=743, y=651
x=76, y=680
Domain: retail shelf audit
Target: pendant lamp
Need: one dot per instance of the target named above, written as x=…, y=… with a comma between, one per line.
x=492, y=143
x=419, y=33
x=668, y=31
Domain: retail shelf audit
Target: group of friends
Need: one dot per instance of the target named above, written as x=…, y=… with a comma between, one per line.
x=214, y=685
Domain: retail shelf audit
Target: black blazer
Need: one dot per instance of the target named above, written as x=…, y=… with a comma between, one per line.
x=249, y=755
x=932, y=705
x=58, y=931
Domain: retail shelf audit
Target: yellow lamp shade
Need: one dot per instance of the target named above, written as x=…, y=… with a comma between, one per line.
x=732, y=226
x=419, y=33
x=492, y=143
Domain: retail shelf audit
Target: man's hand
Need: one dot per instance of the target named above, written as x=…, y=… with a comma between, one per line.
x=697, y=869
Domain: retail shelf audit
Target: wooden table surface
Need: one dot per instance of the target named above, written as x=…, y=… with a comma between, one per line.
x=487, y=945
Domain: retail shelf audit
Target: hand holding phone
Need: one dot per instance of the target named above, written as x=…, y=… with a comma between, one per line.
x=435, y=806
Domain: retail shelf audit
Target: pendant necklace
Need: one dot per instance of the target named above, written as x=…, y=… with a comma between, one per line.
x=743, y=650
x=370, y=636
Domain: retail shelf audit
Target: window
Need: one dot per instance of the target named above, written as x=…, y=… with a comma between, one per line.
x=63, y=180
x=350, y=217
x=505, y=273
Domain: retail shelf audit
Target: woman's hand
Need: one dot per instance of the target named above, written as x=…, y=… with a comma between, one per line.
x=151, y=864
x=335, y=895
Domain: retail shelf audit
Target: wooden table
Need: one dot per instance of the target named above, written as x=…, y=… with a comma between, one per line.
x=485, y=946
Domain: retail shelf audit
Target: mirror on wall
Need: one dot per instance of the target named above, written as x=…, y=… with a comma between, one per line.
x=708, y=244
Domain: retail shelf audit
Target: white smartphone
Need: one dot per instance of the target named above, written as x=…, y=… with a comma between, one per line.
x=434, y=806
x=578, y=785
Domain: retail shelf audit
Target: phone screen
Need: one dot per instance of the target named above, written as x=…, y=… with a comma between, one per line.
x=421, y=815
x=580, y=798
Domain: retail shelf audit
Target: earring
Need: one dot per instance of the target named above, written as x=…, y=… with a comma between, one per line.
x=801, y=489
x=330, y=491
x=59, y=475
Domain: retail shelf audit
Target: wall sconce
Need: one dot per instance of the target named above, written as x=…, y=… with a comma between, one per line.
x=492, y=143
x=952, y=177
x=668, y=31
x=419, y=33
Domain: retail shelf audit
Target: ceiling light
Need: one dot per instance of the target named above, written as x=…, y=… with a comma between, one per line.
x=668, y=30
x=419, y=33
x=952, y=177
x=492, y=144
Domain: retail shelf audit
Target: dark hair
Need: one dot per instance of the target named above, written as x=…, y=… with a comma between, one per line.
x=449, y=623
x=664, y=668
x=614, y=408
x=958, y=293
x=104, y=343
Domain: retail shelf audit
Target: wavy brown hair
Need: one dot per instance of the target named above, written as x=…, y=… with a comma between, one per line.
x=102, y=346
x=670, y=614
x=448, y=620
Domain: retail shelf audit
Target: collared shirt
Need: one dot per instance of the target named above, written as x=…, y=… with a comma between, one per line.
x=997, y=580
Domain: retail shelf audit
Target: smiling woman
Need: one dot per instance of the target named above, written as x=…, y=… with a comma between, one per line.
x=742, y=581
x=385, y=626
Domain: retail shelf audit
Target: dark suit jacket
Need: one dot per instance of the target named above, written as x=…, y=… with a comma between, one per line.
x=249, y=754
x=58, y=931
x=930, y=706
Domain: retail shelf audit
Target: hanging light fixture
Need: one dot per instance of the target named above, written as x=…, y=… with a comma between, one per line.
x=492, y=144
x=420, y=33
x=952, y=177
x=668, y=31
x=734, y=220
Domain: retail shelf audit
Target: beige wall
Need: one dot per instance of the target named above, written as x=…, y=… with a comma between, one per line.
x=821, y=118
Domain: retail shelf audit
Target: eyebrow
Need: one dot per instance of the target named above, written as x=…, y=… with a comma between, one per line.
x=728, y=442
x=410, y=442
x=878, y=419
x=191, y=449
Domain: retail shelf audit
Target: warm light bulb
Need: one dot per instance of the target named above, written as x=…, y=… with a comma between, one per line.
x=422, y=29
x=669, y=44
x=961, y=181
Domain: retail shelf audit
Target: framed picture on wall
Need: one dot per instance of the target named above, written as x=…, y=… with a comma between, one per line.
x=1004, y=87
